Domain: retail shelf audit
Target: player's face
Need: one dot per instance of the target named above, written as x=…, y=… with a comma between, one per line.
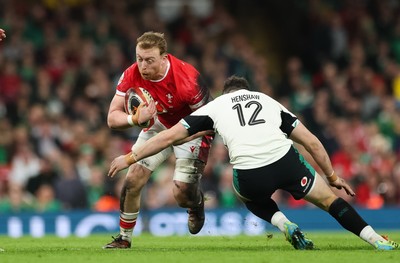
x=150, y=63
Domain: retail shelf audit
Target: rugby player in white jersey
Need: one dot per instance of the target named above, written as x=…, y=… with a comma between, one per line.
x=259, y=133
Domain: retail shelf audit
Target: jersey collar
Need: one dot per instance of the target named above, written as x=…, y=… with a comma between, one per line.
x=166, y=73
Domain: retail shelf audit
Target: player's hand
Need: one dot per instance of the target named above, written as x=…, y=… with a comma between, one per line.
x=340, y=183
x=146, y=112
x=117, y=165
x=2, y=34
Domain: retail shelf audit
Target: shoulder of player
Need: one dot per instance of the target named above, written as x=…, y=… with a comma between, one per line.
x=211, y=104
x=127, y=79
x=132, y=68
x=176, y=62
x=132, y=72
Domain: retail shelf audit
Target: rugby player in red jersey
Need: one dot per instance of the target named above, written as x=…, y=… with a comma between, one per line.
x=174, y=85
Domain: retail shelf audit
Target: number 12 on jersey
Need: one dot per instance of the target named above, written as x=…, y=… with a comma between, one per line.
x=253, y=118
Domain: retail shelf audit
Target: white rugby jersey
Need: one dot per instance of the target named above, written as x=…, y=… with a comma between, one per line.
x=253, y=126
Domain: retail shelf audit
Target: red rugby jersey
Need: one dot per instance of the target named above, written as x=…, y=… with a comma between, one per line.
x=179, y=92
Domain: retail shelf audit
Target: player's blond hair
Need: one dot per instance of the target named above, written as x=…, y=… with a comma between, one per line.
x=152, y=39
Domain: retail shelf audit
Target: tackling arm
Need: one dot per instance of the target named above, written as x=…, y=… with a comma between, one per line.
x=194, y=136
x=154, y=145
x=303, y=136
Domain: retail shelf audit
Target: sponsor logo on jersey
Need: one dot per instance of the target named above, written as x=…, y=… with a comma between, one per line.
x=303, y=181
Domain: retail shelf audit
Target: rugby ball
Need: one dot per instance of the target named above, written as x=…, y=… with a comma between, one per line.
x=133, y=98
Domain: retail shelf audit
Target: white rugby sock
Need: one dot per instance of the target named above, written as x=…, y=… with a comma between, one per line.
x=278, y=220
x=369, y=235
x=127, y=222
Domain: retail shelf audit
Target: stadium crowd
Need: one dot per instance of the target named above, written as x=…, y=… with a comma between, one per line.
x=61, y=60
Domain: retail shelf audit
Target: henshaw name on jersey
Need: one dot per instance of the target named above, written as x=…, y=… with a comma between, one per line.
x=245, y=97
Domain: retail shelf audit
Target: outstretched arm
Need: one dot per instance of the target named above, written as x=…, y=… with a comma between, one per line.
x=154, y=145
x=194, y=136
x=303, y=136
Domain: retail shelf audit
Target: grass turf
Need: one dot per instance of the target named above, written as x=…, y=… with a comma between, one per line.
x=331, y=247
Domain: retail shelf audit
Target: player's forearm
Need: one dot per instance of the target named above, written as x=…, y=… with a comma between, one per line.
x=151, y=147
x=118, y=120
x=157, y=143
x=321, y=157
x=194, y=136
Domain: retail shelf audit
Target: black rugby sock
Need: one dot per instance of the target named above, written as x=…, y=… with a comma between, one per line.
x=264, y=210
x=347, y=216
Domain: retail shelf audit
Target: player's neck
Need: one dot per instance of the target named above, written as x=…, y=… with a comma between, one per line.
x=164, y=71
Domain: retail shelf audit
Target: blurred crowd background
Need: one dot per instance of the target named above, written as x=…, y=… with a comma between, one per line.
x=336, y=64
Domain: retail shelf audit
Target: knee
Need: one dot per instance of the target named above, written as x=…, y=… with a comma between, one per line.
x=136, y=177
x=186, y=195
x=327, y=202
x=186, y=182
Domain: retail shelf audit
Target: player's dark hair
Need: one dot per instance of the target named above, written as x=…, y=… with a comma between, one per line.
x=235, y=83
x=153, y=39
x=204, y=90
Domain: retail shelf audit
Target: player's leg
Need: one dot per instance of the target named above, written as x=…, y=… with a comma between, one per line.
x=322, y=196
x=137, y=176
x=188, y=195
x=255, y=187
x=191, y=159
x=267, y=209
x=270, y=212
x=187, y=191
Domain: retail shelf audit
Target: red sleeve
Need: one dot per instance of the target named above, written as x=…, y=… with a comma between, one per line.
x=191, y=88
x=125, y=81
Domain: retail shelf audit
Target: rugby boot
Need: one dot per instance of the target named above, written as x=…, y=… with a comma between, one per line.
x=118, y=242
x=196, y=217
x=296, y=237
x=386, y=244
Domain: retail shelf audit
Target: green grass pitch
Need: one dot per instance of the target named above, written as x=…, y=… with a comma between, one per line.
x=338, y=247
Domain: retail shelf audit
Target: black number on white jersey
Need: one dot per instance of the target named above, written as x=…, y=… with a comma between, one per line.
x=253, y=119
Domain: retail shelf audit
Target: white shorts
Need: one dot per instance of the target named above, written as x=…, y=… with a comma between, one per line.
x=197, y=149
